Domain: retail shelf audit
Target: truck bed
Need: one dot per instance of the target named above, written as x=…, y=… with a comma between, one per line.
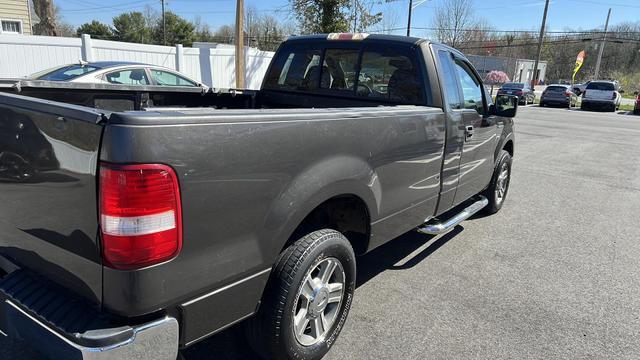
x=239, y=172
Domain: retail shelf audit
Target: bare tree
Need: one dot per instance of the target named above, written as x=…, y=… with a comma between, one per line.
x=151, y=16
x=388, y=21
x=452, y=21
x=47, y=14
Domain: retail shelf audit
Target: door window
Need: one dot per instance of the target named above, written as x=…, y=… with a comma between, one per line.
x=167, y=78
x=450, y=80
x=128, y=77
x=471, y=87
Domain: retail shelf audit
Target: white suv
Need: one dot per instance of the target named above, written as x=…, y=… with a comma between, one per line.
x=601, y=94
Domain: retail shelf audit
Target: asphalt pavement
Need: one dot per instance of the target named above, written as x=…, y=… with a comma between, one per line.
x=554, y=275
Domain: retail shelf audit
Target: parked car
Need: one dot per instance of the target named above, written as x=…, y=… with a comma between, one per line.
x=601, y=95
x=182, y=222
x=557, y=94
x=117, y=72
x=636, y=108
x=578, y=89
x=523, y=91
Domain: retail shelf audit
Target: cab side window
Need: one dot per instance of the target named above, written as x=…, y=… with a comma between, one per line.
x=471, y=87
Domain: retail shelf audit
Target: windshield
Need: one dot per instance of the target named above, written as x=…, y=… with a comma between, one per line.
x=64, y=73
x=601, y=86
x=513, y=86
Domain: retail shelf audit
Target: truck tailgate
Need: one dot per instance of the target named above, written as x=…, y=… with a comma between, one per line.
x=48, y=215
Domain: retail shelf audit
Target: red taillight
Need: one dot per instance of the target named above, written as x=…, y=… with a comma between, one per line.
x=567, y=93
x=519, y=93
x=140, y=215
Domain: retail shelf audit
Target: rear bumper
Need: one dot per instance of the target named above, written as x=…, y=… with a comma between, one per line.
x=154, y=340
x=559, y=101
x=596, y=103
x=60, y=327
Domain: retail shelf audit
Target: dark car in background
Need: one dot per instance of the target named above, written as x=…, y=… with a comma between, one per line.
x=559, y=95
x=523, y=91
x=636, y=108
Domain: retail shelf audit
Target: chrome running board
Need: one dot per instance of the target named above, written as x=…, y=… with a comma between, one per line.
x=443, y=227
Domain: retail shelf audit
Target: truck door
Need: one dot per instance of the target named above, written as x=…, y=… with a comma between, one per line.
x=479, y=128
x=452, y=106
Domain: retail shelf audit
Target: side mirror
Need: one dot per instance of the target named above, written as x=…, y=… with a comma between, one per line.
x=506, y=106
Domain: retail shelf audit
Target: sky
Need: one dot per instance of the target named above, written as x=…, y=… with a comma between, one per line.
x=501, y=14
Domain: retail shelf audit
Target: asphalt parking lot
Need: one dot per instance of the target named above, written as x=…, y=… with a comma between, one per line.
x=554, y=275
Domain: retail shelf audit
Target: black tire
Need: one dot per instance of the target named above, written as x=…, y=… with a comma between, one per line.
x=271, y=330
x=491, y=193
x=542, y=104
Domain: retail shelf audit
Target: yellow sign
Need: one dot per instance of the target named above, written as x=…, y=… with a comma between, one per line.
x=579, y=62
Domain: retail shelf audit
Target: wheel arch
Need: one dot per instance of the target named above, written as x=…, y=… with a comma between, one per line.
x=334, y=193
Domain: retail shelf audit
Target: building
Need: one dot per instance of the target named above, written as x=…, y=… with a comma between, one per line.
x=15, y=17
x=518, y=70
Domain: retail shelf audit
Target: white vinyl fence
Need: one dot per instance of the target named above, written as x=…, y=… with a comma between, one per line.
x=211, y=64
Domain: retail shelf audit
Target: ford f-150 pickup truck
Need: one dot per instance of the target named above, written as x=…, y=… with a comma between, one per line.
x=130, y=230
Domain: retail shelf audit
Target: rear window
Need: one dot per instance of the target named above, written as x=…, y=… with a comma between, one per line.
x=338, y=70
x=556, y=89
x=65, y=73
x=513, y=86
x=389, y=74
x=297, y=69
x=601, y=86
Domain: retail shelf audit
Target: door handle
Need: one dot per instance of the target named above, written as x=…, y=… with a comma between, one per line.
x=468, y=132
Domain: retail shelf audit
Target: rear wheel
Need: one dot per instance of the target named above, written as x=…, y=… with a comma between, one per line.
x=497, y=191
x=307, y=300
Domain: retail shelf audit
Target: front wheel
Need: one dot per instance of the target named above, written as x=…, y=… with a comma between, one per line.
x=307, y=300
x=497, y=191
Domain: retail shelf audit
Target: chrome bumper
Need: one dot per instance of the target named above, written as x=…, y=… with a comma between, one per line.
x=156, y=340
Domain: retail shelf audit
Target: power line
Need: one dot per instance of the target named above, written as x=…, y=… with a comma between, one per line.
x=120, y=6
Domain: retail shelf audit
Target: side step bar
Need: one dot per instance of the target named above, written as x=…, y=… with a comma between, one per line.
x=443, y=227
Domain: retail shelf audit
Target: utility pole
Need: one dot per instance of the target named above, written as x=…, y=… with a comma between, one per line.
x=240, y=44
x=164, y=26
x=409, y=18
x=534, y=79
x=601, y=50
x=355, y=15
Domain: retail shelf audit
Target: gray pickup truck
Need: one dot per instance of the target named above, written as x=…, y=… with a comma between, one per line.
x=131, y=229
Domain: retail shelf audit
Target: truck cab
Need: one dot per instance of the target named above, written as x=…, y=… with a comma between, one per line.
x=137, y=221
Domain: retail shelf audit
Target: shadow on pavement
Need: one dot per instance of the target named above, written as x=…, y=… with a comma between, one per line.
x=231, y=345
